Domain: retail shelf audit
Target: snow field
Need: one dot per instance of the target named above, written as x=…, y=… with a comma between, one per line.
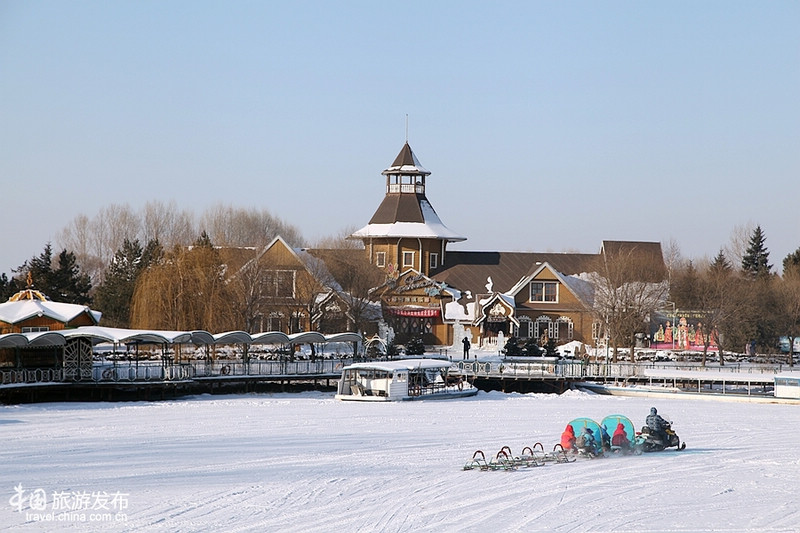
x=305, y=462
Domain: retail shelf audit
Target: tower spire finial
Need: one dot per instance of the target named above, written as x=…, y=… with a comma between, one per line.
x=406, y=128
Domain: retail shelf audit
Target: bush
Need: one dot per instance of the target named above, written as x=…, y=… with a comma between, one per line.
x=512, y=349
x=415, y=346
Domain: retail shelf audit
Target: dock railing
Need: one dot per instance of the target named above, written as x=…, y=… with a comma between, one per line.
x=170, y=371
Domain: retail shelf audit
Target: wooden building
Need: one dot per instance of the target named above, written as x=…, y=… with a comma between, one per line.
x=429, y=289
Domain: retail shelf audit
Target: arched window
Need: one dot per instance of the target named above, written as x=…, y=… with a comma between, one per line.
x=543, y=326
x=569, y=327
x=525, y=330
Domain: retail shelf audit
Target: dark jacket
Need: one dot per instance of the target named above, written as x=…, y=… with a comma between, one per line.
x=655, y=422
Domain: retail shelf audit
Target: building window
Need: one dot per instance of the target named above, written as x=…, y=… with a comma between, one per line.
x=434, y=261
x=525, y=330
x=544, y=291
x=279, y=283
x=380, y=259
x=408, y=259
x=35, y=329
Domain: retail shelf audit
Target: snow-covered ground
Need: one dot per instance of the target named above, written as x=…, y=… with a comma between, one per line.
x=305, y=462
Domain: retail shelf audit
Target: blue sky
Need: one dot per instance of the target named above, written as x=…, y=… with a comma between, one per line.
x=547, y=126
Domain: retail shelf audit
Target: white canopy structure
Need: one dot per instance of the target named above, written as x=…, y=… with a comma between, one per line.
x=29, y=304
x=99, y=334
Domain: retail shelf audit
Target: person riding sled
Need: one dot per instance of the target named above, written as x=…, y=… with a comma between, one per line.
x=620, y=438
x=586, y=442
x=568, y=438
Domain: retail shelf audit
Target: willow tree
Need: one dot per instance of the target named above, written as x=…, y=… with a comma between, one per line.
x=186, y=291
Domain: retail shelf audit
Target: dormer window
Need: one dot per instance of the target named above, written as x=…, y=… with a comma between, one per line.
x=544, y=291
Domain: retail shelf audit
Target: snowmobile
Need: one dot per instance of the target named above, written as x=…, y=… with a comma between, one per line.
x=652, y=442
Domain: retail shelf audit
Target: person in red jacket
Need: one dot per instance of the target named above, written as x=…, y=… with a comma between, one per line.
x=568, y=438
x=620, y=438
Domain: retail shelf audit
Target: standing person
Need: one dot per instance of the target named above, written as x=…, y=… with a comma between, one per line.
x=467, y=346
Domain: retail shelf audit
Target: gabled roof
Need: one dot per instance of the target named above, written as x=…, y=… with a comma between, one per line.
x=471, y=270
x=580, y=288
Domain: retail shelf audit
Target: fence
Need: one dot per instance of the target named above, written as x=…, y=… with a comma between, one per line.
x=156, y=371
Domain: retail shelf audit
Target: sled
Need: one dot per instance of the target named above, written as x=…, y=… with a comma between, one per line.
x=558, y=455
x=634, y=442
x=478, y=462
x=527, y=458
x=578, y=426
x=501, y=461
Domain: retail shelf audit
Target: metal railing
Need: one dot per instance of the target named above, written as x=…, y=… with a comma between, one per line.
x=34, y=375
x=154, y=371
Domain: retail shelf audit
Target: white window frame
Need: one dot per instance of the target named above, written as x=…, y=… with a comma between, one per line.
x=408, y=263
x=434, y=260
x=35, y=329
x=380, y=259
x=544, y=285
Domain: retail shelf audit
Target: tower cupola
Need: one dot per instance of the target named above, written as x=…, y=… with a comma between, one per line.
x=405, y=231
x=406, y=174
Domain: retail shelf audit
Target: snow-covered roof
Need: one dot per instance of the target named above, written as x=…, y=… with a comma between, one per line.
x=431, y=227
x=406, y=162
x=99, y=334
x=20, y=310
x=456, y=311
x=403, y=364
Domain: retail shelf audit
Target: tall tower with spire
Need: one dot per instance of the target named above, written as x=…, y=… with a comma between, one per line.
x=405, y=232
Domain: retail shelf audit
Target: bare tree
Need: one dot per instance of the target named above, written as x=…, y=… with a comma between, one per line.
x=167, y=224
x=788, y=300
x=629, y=287
x=738, y=243
x=355, y=276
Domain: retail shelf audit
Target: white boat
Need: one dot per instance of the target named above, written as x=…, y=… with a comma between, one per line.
x=405, y=379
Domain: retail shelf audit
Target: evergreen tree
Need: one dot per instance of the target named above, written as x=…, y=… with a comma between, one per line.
x=415, y=346
x=512, y=348
x=791, y=263
x=40, y=270
x=66, y=283
x=550, y=349
x=114, y=295
x=755, y=261
x=70, y=284
x=720, y=264
x=8, y=287
x=532, y=349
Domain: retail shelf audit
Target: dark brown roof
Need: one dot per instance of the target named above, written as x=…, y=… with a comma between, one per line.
x=639, y=247
x=397, y=207
x=470, y=270
x=406, y=163
x=405, y=157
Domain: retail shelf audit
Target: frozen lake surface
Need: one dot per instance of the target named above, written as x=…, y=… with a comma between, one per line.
x=305, y=462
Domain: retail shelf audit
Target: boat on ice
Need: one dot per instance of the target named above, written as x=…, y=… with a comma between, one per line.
x=404, y=379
